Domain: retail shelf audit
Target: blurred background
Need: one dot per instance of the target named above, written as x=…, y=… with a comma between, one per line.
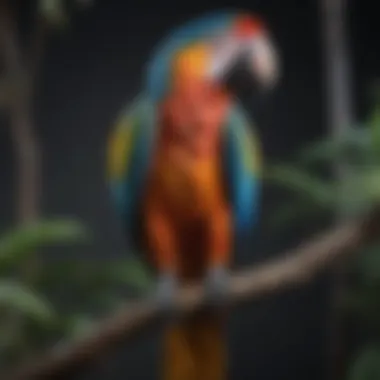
x=66, y=70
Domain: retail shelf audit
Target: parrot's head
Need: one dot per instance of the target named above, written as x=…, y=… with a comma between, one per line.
x=211, y=47
x=246, y=41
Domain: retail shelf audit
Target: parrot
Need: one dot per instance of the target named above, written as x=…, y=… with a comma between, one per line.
x=184, y=167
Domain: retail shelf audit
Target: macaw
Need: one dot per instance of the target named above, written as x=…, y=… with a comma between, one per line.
x=184, y=172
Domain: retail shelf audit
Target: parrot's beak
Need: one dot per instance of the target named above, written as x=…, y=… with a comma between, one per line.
x=263, y=61
x=257, y=53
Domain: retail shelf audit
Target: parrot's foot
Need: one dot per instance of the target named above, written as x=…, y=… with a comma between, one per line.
x=216, y=286
x=165, y=295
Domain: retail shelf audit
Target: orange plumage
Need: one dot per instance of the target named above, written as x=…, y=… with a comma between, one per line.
x=187, y=218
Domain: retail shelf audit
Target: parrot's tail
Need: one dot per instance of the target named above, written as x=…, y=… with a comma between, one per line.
x=195, y=349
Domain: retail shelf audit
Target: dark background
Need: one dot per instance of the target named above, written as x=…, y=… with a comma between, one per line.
x=94, y=68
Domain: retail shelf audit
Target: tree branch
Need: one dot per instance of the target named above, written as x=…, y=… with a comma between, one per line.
x=25, y=142
x=295, y=267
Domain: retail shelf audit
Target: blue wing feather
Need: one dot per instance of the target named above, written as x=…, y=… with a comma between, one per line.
x=242, y=165
x=132, y=142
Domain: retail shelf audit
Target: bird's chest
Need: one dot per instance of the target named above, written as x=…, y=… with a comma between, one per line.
x=191, y=187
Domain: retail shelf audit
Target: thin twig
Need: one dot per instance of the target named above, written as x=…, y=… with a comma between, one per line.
x=295, y=267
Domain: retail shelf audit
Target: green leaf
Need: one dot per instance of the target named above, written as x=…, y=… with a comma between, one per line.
x=361, y=189
x=324, y=150
x=294, y=211
x=78, y=325
x=356, y=194
x=367, y=365
x=131, y=272
x=300, y=181
x=16, y=244
x=14, y=296
x=353, y=146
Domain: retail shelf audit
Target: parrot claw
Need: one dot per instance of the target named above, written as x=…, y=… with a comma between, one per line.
x=216, y=286
x=166, y=294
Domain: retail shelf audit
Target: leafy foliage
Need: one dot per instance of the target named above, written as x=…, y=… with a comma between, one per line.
x=18, y=297
x=15, y=244
x=317, y=192
x=357, y=192
x=67, y=295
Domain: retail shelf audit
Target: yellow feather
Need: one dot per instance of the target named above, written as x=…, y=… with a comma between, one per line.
x=119, y=149
x=251, y=152
x=190, y=62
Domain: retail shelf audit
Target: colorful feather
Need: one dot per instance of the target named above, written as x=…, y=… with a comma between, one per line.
x=130, y=148
x=242, y=164
x=128, y=156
